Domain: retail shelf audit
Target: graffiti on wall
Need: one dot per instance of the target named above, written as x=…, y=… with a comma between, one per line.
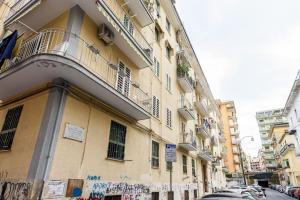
x=11, y=190
x=3, y=174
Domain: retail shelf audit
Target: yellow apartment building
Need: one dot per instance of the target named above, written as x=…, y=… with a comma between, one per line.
x=289, y=163
x=91, y=95
x=231, y=133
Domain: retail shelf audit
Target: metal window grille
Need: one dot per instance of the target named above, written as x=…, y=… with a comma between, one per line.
x=184, y=164
x=155, y=154
x=116, y=146
x=155, y=107
x=169, y=118
x=9, y=127
x=155, y=196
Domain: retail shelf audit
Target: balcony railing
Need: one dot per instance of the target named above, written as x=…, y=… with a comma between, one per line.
x=205, y=154
x=285, y=148
x=202, y=131
x=18, y=6
x=188, y=142
x=131, y=28
x=202, y=109
x=53, y=41
x=185, y=81
x=186, y=109
x=6, y=139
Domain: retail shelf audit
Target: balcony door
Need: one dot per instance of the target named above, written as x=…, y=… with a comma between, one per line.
x=123, y=79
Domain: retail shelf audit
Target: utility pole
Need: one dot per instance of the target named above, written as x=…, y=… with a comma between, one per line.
x=242, y=164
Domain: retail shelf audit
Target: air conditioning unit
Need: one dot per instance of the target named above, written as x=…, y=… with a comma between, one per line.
x=105, y=34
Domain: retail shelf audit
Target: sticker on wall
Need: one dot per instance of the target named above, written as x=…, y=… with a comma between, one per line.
x=74, y=132
x=54, y=189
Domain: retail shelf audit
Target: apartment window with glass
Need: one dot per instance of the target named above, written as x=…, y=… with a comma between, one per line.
x=155, y=107
x=169, y=118
x=195, y=194
x=9, y=127
x=155, y=154
x=128, y=24
x=193, y=168
x=184, y=164
x=156, y=67
x=117, y=136
x=155, y=196
x=168, y=81
x=168, y=25
x=168, y=51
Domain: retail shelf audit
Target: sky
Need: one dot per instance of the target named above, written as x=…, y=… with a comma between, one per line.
x=249, y=51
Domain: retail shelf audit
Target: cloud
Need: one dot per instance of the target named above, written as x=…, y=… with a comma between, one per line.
x=249, y=52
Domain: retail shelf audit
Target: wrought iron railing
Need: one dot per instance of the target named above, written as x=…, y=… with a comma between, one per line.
x=66, y=44
x=130, y=27
x=189, y=138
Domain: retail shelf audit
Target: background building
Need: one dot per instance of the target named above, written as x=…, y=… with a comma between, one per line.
x=265, y=120
x=231, y=133
x=255, y=164
x=93, y=93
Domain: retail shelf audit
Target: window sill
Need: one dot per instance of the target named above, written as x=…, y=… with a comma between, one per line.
x=154, y=167
x=169, y=127
x=114, y=159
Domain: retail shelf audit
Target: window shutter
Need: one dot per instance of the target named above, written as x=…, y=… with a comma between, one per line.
x=154, y=106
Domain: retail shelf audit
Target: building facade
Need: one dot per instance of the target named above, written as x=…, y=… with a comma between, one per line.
x=93, y=93
x=255, y=164
x=231, y=133
x=265, y=120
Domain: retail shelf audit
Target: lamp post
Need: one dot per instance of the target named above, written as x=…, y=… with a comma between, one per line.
x=241, y=159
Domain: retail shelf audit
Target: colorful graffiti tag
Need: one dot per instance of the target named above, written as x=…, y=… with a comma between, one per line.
x=11, y=190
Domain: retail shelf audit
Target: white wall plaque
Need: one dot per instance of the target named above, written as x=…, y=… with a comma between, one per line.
x=74, y=132
x=54, y=189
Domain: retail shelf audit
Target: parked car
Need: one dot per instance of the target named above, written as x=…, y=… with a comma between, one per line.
x=297, y=193
x=292, y=190
x=286, y=188
x=226, y=196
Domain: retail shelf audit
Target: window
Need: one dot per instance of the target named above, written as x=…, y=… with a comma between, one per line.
x=155, y=107
x=116, y=146
x=156, y=67
x=170, y=195
x=9, y=127
x=169, y=118
x=193, y=168
x=155, y=196
x=128, y=24
x=186, y=195
x=168, y=77
x=123, y=82
x=157, y=34
x=169, y=52
x=169, y=166
x=195, y=194
x=155, y=154
x=168, y=25
x=184, y=164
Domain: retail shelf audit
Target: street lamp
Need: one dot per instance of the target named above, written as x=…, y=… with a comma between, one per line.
x=241, y=159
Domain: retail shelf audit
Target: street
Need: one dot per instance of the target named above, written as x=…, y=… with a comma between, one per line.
x=274, y=195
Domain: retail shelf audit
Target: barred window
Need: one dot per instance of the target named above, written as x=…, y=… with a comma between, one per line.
x=155, y=107
x=116, y=146
x=193, y=168
x=155, y=154
x=184, y=164
x=9, y=127
x=169, y=118
x=156, y=67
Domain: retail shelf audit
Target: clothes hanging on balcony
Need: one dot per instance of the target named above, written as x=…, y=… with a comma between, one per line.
x=7, y=45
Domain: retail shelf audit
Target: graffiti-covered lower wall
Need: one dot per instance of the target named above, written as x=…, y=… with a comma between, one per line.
x=97, y=189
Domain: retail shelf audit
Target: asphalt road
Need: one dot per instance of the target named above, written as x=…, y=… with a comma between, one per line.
x=274, y=195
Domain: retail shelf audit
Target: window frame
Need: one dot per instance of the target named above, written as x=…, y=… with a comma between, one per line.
x=184, y=164
x=118, y=144
x=155, y=154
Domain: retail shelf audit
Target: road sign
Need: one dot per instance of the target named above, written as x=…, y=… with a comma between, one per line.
x=170, y=153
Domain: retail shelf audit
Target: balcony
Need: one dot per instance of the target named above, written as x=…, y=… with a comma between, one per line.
x=225, y=169
x=205, y=154
x=201, y=108
x=202, y=131
x=184, y=80
x=130, y=41
x=285, y=148
x=199, y=87
x=188, y=142
x=236, y=160
x=214, y=140
x=234, y=142
x=49, y=55
x=269, y=157
x=235, y=150
x=271, y=165
x=186, y=110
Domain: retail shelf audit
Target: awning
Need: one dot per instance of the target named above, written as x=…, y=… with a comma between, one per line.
x=265, y=175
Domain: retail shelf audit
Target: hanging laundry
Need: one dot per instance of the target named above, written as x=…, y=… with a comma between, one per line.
x=7, y=45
